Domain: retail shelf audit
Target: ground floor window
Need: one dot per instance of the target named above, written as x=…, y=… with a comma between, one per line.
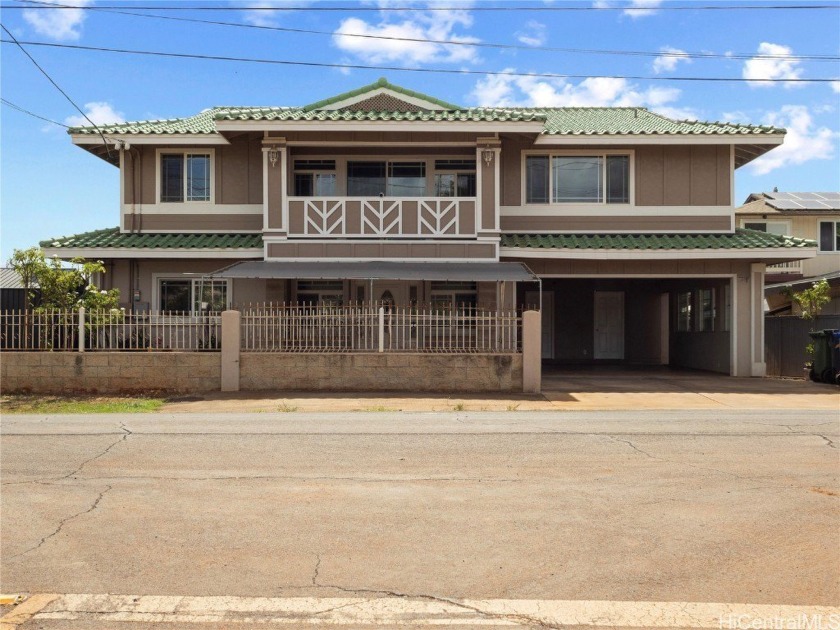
x=454, y=295
x=186, y=295
x=685, y=310
x=322, y=292
x=706, y=302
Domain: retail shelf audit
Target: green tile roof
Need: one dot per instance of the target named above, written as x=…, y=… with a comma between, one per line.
x=741, y=239
x=573, y=121
x=113, y=238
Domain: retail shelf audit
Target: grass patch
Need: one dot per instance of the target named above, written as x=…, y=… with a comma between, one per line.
x=287, y=408
x=379, y=408
x=27, y=403
x=458, y=407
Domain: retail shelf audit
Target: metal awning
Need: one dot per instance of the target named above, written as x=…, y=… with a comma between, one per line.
x=471, y=272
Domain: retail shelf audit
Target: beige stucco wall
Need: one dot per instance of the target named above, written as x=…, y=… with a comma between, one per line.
x=110, y=372
x=381, y=372
x=803, y=227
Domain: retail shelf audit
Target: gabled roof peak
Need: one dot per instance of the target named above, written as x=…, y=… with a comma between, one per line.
x=382, y=86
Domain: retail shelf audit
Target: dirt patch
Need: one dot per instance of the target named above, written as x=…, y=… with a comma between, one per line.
x=826, y=492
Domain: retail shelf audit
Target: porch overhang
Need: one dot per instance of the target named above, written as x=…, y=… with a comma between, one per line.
x=452, y=272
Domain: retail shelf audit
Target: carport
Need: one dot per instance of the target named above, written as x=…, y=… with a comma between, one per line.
x=681, y=322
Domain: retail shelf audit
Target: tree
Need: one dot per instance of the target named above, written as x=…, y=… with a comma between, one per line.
x=62, y=288
x=812, y=299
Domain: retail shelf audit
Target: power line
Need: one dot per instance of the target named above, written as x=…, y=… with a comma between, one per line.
x=57, y=87
x=784, y=7
x=450, y=42
x=26, y=111
x=314, y=64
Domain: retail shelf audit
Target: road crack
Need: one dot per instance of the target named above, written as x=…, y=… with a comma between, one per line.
x=64, y=521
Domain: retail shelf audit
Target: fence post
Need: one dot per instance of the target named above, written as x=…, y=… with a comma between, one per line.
x=231, y=332
x=381, y=329
x=81, y=329
x=531, y=352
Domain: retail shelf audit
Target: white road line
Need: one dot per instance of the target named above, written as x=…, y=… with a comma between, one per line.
x=420, y=611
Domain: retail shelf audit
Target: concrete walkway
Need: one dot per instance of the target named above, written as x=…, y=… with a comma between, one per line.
x=565, y=390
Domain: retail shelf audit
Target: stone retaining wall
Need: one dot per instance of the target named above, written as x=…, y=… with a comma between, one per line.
x=109, y=372
x=384, y=372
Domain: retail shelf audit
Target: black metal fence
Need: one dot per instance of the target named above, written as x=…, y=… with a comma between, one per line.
x=785, y=339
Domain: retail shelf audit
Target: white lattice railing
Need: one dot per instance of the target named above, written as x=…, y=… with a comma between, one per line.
x=375, y=328
x=382, y=217
x=111, y=331
x=794, y=266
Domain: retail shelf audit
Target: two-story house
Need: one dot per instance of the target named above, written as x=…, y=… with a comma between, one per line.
x=386, y=194
x=809, y=215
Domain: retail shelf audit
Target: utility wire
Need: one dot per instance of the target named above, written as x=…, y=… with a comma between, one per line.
x=450, y=42
x=26, y=111
x=314, y=64
x=628, y=8
x=57, y=87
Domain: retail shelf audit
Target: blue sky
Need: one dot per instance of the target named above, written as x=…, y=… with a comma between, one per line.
x=52, y=188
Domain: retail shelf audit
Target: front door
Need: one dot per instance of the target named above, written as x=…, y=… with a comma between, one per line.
x=609, y=325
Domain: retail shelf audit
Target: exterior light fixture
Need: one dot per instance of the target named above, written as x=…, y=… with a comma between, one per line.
x=487, y=154
x=273, y=155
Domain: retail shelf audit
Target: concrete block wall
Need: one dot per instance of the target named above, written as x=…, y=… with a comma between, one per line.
x=110, y=372
x=382, y=372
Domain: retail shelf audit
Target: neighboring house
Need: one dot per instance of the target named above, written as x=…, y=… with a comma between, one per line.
x=385, y=194
x=814, y=216
x=12, y=291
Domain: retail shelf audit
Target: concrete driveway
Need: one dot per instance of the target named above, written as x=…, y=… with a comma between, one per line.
x=522, y=519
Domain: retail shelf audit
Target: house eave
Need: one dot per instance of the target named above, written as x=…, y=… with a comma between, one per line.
x=96, y=253
x=373, y=125
x=685, y=138
x=774, y=254
x=192, y=139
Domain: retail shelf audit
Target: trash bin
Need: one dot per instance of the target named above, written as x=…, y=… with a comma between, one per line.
x=835, y=355
x=822, y=367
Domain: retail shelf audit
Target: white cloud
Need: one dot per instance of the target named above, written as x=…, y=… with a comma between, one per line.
x=101, y=113
x=835, y=85
x=513, y=91
x=58, y=24
x=780, y=67
x=267, y=12
x=635, y=8
x=642, y=8
x=667, y=62
x=423, y=25
x=804, y=141
x=534, y=34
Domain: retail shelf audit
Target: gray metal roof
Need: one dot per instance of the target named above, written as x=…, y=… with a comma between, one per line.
x=10, y=279
x=803, y=200
x=463, y=272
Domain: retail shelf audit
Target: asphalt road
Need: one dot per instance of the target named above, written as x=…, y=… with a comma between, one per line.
x=688, y=506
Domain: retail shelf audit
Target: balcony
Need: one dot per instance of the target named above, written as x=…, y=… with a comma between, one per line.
x=794, y=268
x=382, y=217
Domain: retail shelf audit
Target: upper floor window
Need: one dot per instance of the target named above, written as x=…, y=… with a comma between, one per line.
x=579, y=178
x=779, y=228
x=830, y=236
x=394, y=179
x=315, y=178
x=184, y=177
x=454, y=178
